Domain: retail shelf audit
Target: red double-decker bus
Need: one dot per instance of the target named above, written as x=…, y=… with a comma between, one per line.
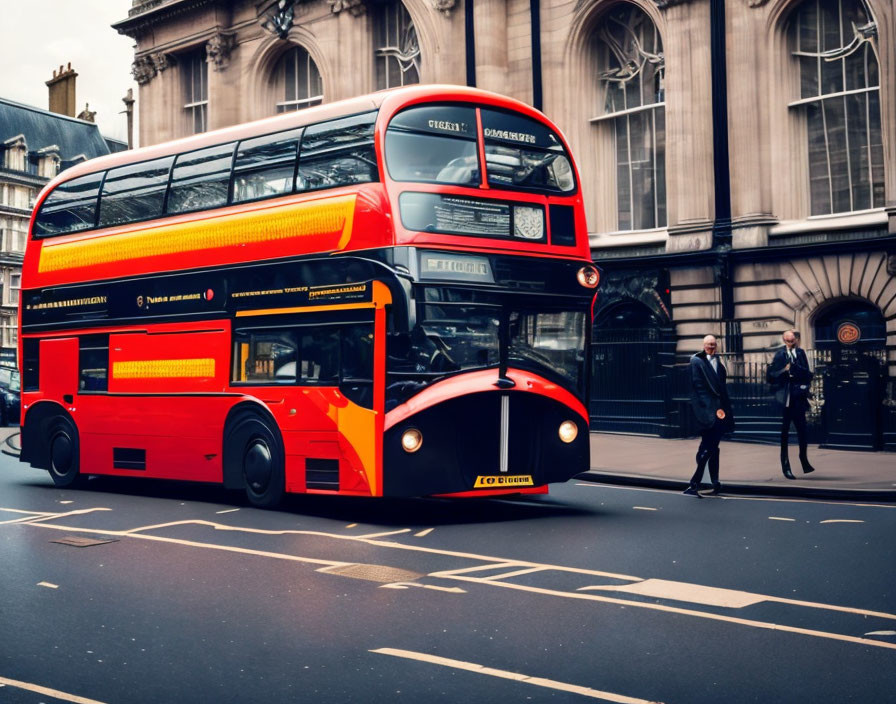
x=385, y=296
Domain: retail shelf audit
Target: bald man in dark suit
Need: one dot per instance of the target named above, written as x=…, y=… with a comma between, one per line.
x=712, y=408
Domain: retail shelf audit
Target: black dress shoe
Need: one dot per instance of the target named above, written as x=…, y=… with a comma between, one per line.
x=785, y=468
x=806, y=466
x=692, y=491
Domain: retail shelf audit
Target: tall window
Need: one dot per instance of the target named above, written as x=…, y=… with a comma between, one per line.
x=834, y=42
x=630, y=55
x=398, y=52
x=15, y=284
x=195, y=74
x=298, y=80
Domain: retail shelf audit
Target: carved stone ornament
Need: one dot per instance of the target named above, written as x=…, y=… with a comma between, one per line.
x=280, y=20
x=355, y=7
x=161, y=61
x=444, y=6
x=217, y=50
x=143, y=69
x=663, y=4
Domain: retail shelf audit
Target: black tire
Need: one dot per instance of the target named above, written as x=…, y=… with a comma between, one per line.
x=63, y=451
x=4, y=415
x=254, y=450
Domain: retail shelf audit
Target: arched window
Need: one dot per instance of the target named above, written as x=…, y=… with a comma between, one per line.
x=834, y=43
x=397, y=49
x=631, y=71
x=298, y=81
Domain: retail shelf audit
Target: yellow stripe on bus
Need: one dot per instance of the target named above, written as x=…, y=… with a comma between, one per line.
x=303, y=309
x=163, y=368
x=332, y=216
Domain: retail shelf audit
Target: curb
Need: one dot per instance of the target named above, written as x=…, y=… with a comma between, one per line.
x=741, y=488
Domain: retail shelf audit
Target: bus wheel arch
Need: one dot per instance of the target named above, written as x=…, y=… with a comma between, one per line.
x=254, y=458
x=53, y=443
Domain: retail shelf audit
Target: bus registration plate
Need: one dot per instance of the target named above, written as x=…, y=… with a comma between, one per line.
x=492, y=481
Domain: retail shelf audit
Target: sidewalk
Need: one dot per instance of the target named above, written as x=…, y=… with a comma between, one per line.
x=745, y=468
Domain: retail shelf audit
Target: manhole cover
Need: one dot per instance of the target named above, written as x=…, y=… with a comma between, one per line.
x=373, y=573
x=81, y=542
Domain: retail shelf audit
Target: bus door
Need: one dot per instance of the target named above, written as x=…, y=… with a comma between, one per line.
x=320, y=371
x=58, y=376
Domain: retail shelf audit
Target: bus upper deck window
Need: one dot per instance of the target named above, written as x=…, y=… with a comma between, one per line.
x=434, y=143
x=523, y=153
x=134, y=192
x=70, y=207
x=338, y=153
x=266, y=166
x=200, y=179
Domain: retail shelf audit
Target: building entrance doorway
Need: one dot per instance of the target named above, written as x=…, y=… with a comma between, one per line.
x=850, y=360
x=633, y=356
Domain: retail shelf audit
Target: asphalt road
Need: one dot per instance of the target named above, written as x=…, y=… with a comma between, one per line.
x=130, y=592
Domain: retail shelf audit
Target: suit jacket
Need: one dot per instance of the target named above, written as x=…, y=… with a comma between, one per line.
x=709, y=392
x=796, y=380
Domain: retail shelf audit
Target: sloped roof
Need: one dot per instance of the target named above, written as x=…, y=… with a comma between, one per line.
x=42, y=128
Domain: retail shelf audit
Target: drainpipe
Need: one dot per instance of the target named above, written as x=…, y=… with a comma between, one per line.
x=721, y=229
x=470, y=41
x=535, y=12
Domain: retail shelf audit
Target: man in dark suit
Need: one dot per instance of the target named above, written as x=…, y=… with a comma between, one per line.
x=790, y=377
x=712, y=408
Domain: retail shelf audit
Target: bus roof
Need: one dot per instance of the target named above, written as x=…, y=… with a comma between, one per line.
x=393, y=99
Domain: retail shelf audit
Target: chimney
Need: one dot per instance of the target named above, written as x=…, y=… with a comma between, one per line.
x=62, y=91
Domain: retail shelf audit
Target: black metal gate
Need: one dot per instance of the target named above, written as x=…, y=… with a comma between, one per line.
x=631, y=384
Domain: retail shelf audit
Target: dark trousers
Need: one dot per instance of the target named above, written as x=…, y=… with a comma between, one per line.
x=798, y=418
x=708, y=453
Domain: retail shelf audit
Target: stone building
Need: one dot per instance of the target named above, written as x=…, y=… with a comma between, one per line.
x=738, y=160
x=35, y=145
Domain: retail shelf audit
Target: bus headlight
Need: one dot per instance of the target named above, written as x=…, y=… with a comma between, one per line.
x=568, y=431
x=588, y=276
x=411, y=440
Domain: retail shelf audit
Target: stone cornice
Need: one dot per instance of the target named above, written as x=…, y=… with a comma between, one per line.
x=22, y=178
x=149, y=12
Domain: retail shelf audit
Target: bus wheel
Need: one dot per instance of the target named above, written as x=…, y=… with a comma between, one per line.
x=64, y=453
x=258, y=452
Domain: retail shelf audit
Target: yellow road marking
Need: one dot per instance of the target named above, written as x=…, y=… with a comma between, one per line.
x=423, y=533
x=49, y=585
x=35, y=516
x=683, y=591
x=405, y=585
x=507, y=675
x=515, y=573
x=55, y=693
x=691, y=612
x=382, y=535
x=495, y=563
x=841, y=520
x=352, y=525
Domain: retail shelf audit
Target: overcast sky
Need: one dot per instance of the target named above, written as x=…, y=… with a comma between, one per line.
x=37, y=36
